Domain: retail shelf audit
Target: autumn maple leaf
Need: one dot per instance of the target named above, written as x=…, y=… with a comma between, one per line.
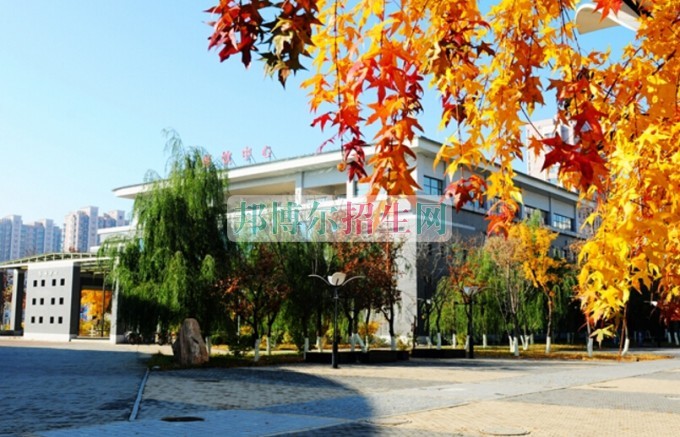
x=608, y=5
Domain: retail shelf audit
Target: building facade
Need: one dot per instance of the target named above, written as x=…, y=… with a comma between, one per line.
x=18, y=240
x=315, y=178
x=80, y=229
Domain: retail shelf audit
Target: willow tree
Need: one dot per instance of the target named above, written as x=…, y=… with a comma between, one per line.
x=170, y=269
x=491, y=66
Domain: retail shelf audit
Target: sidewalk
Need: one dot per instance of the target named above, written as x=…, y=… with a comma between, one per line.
x=447, y=397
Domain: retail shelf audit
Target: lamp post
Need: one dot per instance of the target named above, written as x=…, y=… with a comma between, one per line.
x=470, y=292
x=336, y=280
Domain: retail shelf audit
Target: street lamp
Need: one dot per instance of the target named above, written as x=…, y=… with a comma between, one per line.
x=336, y=280
x=470, y=292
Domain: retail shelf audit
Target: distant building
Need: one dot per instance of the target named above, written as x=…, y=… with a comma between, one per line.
x=19, y=240
x=10, y=237
x=544, y=129
x=40, y=237
x=80, y=229
x=112, y=224
x=112, y=219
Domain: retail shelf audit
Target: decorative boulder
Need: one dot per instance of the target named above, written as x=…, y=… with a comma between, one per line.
x=189, y=348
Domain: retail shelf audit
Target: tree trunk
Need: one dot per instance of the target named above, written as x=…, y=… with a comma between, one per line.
x=625, y=339
x=319, y=327
x=589, y=346
x=269, y=339
x=256, y=350
x=367, y=320
x=515, y=329
x=549, y=330
x=390, y=320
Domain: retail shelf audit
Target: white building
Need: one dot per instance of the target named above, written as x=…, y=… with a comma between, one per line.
x=18, y=240
x=545, y=129
x=11, y=228
x=315, y=177
x=80, y=229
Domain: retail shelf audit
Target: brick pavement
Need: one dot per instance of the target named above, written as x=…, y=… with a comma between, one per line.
x=48, y=385
x=445, y=397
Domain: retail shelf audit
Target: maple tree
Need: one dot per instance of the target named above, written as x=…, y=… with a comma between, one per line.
x=255, y=297
x=462, y=261
x=538, y=266
x=491, y=68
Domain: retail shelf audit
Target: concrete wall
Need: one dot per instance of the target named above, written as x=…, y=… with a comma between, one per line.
x=52, y=301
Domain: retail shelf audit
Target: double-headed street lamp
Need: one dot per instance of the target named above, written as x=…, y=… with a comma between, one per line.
x=469, y=292
x=336, y=280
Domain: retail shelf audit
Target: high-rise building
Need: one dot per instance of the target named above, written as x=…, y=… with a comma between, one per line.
x=81, y=226
x=11, y=230
x=80, y=229
x=18, y=240
x=40, y=237
x=112, y=219
x=545, y=129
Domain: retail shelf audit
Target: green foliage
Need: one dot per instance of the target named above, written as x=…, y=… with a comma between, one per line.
x=169, y=270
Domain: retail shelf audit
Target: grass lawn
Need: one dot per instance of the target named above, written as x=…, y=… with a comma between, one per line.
x=166, y=362
x=289, y=355
x=566, y=352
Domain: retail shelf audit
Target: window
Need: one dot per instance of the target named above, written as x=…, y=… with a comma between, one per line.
x=35, y=283
x=53, y=300
x=33, y=319
x=433, y=186
x=563, y=223
x=42, y=301
x=42, y=283
x=61, y=301
x=530, y=210
x=360, y=190
x=39, y=319
x=61, y=320
x=62, y=282
x=34, y=301
x=51, y=320
x=54, y=282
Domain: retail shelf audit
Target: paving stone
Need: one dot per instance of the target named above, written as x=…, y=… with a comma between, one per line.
x=418, y=397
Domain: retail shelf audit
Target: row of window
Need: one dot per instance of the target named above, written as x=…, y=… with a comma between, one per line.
x=559, y=221
x=42, y=301
x=62, y=282
x=433, y=186
x=60, y=320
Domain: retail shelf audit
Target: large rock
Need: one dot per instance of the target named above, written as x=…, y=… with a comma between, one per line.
x=189, y=348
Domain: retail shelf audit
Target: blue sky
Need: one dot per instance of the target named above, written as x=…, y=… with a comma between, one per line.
x=87, y=87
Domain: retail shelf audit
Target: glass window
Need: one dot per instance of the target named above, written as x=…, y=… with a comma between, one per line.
x=433, y=186
x=561, y=222
x=530, y=210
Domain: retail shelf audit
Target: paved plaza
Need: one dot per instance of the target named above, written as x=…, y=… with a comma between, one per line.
x=83, y=390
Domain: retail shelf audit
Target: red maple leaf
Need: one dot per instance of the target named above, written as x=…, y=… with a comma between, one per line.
x=608, y=5
x=466, y=190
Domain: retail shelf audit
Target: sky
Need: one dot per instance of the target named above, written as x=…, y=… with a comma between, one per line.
x=86, y=89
